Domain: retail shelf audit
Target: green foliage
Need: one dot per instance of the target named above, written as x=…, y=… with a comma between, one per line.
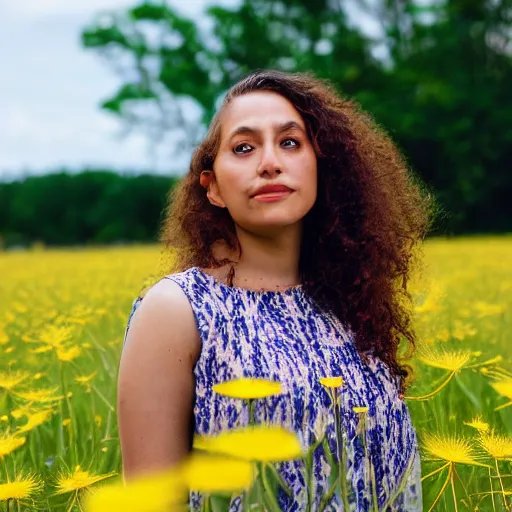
x=442, y=88
x=89, y=207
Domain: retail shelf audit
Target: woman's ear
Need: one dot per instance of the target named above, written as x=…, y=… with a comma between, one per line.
x=208, y=181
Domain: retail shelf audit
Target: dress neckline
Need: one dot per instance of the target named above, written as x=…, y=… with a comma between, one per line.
x=291, y=290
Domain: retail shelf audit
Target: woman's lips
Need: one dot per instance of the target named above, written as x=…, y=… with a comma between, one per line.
x=268, y=197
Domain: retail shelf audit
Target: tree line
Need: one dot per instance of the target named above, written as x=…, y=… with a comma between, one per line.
x=92, y=207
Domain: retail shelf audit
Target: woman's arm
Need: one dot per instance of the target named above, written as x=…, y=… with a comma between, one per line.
x=156, y=381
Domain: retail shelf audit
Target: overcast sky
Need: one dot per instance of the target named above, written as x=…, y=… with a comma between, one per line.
x=51, y=88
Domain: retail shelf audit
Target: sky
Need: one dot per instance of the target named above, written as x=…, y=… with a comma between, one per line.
x=51, y=89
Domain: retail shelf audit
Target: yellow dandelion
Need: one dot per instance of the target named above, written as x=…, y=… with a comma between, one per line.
x=150, y=493
x=503, y=388
x=67, y=354
x=496, y=445
x=478, y=424
x=261, y=443
x=248, y=388
x=488, y=309
x=12, y=379
x=66, y=422
x=34, y=420
x=9, y=443
x=85, y=379
x=40, y=395
x=42, y=349
x=207, y=473
x=78, y=480
x=458, y=450
x=20, y=488
x=452, y=360
x=4, y=338
x=332, y=382
x=55, y=336
x=98, y=420
x=8, y=350
x=38, y=375
x=4, y=417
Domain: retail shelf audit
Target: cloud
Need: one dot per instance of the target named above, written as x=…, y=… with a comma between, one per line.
x=48, y=8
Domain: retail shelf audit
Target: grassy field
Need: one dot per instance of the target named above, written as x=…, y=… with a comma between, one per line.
x=62, y=320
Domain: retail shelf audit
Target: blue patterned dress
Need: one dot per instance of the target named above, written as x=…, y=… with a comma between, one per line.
x=286, y=336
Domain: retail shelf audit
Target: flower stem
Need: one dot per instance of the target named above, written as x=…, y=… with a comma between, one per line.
x=501, y=484
x=340, y=444
x=432, y=393
x=492, y=490
x=453, y=490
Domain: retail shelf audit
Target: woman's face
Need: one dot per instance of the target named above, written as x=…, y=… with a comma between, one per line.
x=264, y=142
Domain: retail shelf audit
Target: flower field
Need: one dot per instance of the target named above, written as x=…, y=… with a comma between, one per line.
x=62, y=320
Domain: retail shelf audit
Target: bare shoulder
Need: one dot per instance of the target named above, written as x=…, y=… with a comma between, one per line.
x=165, y=320
x=156, y=381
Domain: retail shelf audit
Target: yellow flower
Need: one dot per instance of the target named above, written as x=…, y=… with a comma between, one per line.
x=34, y=420
x=20, y=488
x=10, y=380
x=98, y=420
x=261, y=442
x=360, y=410
x=78, y=480
x=487, y=309
x=452, y=360
x=67, y=354
x=66, y=422
x=207, y=473
x=451, y=449
x=332, y=382
x=149, y=493
x=496, y=445
x=40, y=395
x=478, y=424
x=503, y=388
x=9, y=443
x=85, y=379
x=247, y=388
x=55, y=336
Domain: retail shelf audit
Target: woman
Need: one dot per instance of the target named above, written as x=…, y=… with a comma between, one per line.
x=294, y=233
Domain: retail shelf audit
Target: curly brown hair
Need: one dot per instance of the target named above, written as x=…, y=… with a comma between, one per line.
x=359, y=239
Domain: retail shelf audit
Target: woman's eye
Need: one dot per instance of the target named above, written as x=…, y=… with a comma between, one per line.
x=295, y=143
x=239, y=149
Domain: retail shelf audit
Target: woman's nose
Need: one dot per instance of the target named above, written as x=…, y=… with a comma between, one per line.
x=269, y=163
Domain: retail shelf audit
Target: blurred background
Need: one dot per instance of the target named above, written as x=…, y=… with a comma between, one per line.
x=103, y=101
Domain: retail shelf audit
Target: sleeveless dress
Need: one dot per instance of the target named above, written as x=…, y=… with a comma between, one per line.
x=285, y=336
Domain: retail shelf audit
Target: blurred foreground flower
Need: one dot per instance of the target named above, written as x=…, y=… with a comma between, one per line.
x=20, y=488
x=248, y=388
x=260, y=442
x=150, y=493
x=332, y=382
x=211, y=473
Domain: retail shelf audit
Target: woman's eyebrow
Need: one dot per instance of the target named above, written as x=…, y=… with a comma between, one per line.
x=278, y=128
